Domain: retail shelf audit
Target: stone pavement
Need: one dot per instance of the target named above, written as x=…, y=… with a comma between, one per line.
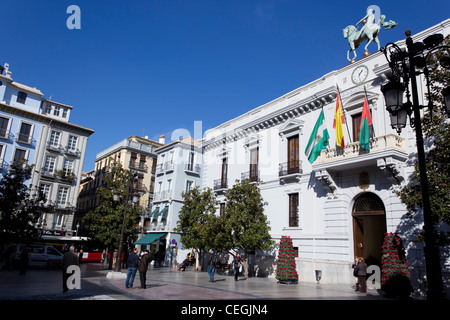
x=165, y=284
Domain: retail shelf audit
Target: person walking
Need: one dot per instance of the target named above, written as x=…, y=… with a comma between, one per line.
x=143, y=267
x=69, y=258
x=24, y=260
x=212, y=261
x=237, y=266
x=132, y=262
x=362, y=273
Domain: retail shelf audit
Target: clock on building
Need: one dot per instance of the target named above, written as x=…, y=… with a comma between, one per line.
x=360, y=74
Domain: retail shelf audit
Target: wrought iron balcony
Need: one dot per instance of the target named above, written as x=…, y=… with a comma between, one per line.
x=220, y=184
x=290, y=167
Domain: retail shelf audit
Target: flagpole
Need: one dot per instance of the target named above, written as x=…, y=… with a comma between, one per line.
x=365, y=94
x=343, y=112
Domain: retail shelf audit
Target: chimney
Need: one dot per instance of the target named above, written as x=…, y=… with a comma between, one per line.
x=162, y=139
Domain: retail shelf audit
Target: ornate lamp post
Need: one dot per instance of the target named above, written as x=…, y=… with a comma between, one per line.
x=406, y=66
x=116, y=198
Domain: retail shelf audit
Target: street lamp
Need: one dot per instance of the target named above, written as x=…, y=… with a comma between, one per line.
x=406, y=66
x=116, y=198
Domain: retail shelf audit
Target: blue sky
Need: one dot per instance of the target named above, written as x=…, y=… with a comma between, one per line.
x=150, y=67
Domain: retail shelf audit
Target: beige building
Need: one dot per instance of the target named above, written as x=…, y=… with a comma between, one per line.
x=133, y=153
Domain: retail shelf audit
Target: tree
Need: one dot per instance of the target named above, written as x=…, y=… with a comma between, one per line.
x=197, y=219
x=245, y=225
x=395, y=276
x=19, y=211
x=437, y=138
x=286, y=266
x=104, y=223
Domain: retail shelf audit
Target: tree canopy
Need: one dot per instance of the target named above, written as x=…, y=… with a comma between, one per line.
x=19, y=210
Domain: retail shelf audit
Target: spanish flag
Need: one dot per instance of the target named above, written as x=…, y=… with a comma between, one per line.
x=364, y=126
x=339, y=120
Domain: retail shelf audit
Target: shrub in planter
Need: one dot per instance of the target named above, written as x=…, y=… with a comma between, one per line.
x=286, y=267
x=395, y=276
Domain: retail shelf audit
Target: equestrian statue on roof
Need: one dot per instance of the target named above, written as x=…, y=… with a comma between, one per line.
x=369, y=32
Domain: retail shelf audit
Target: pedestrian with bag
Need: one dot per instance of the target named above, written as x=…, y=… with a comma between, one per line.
x=132, y=263
x=143, y=267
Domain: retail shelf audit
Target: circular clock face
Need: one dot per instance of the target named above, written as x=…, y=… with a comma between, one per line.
x=360, y=74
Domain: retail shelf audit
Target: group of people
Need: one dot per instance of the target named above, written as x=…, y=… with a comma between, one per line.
x=139, y=263
x=213, y=261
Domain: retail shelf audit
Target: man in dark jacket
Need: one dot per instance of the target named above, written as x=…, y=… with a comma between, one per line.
x=132, y=262
x=212, y=265
x=69, y=258
x=143, y=267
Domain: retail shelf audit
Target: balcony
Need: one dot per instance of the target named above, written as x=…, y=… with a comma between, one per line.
x=138, y=166
x=353, y=156
x=220, y=184
x=191, y=168
x=6, y=134
x=387, y=153
x=26, y=139
x=162, y=195
x=253, y=176
x=290, y=170
x=72, y=151
x=54, y=147
x=169, y=166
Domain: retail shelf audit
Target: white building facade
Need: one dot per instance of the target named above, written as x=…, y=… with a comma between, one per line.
x=340, y=206
x=178, y=171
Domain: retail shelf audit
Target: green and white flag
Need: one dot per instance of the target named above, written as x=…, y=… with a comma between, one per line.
x=318, y=139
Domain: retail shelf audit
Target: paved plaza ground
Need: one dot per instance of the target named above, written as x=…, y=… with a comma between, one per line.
x=177, y=291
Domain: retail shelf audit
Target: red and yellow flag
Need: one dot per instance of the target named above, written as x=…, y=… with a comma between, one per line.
x=339, y=120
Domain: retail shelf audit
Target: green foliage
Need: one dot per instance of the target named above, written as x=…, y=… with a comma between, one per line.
x=395, y=276
x=286, y=266
x=242, y=227
x=19, y=212
x=104, y=223
x=196, y=221
x=436, y=131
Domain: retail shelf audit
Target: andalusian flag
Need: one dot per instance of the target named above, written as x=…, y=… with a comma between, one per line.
x=339, y=120
x=364, y=126
x=318, y=139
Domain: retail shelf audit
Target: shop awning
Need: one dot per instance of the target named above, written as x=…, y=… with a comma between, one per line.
x=149, y=238
x=154, y=212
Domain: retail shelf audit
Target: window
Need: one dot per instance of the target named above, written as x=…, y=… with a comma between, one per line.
x=190, y=165
x=4, y=124
x=254, y=158
x=24, y=133
x=356, y=120
x=293, y=155
x=45, y=189
x=133, y=159
x=21, y=97
x=58, y=219
x=68, y=166
x=293, y=210
x=62, y=196
x=48, y=108
x=142, y=161
x=72, y=145
x=222, y=209
x=189, y=185
x=56, y=111
x=49, y=164
x=64, y=113
x=224, y=172
x=19, y=156
x=54, y=138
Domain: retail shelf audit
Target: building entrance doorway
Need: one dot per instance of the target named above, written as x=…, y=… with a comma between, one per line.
x=369, y=227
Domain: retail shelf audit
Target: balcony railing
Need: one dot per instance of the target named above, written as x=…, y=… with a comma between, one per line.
x=25, y=138
x=138, y=166
x=54, y=147
x=290, y=167
x=220, y=184
x=387, y=144
x=6, y=134
x=72, y=151
x=253, y=176
x=162, y=195
x=193, y=168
